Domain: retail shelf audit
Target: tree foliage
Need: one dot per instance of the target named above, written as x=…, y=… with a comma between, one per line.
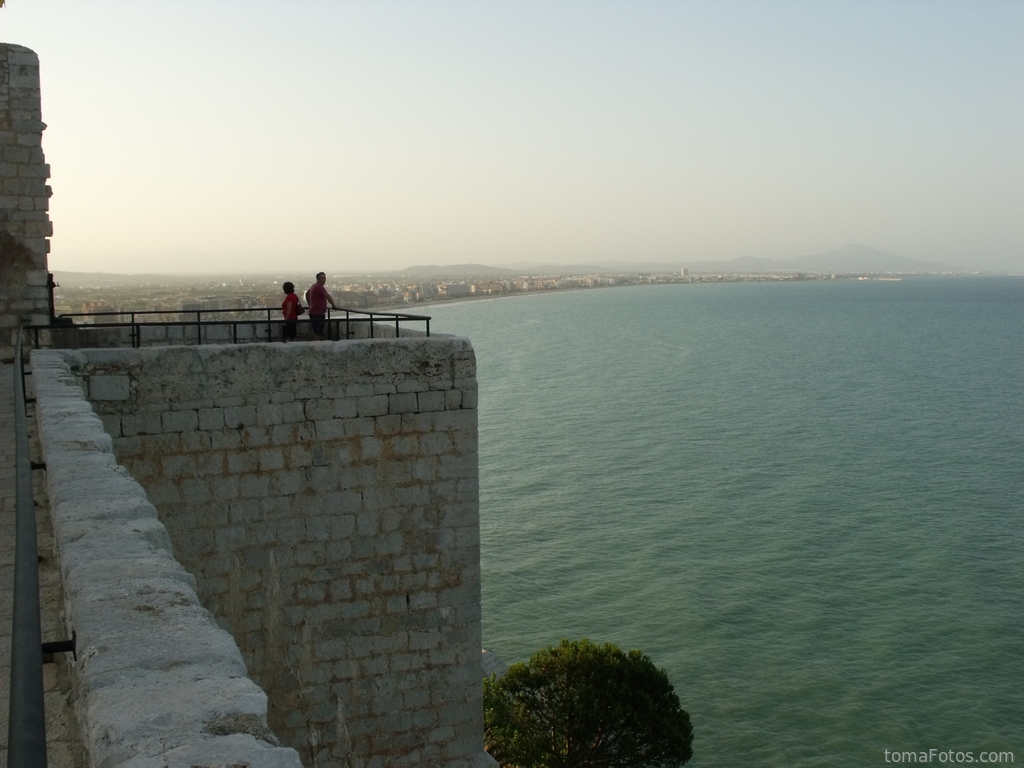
x=583, y=705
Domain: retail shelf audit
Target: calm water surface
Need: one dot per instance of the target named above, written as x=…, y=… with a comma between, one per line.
x=803, y=500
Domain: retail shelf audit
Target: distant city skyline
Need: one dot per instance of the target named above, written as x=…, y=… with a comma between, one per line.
x=228, y=136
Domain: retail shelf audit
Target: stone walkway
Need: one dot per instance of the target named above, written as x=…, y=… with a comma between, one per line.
x=64, y=748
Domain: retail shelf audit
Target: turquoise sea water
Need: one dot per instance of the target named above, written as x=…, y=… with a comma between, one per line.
x=803, y=500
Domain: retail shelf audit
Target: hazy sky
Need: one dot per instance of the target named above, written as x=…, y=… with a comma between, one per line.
x=184, y=134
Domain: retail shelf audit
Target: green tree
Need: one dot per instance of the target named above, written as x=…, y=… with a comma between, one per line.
x=583, y=705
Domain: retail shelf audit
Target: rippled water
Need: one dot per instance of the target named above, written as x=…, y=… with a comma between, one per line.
x=803, y=500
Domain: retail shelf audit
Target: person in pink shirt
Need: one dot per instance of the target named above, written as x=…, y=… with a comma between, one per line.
x=291, y=309
x=317, y=298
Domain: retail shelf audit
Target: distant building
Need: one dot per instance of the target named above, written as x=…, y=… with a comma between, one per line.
x=427, y=291
x=453, y=290
x=492, y=286
x=204, y=304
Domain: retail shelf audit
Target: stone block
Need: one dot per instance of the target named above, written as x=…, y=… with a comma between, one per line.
x=111, y=424
x=270, y=459
x=374, y=405
x=241, y=462
x=345, y=408
x=431, y=401
x=435, y=444
x=256, y=437
x=403, y=403
x=293, y=412
x=412, y=385
x=224, y=488
x=269, y=414
x=358, y=389
x=317, y=410
x=240, y=416
x=359, y=427
x=141, y=424
x=211, y=418
x=253, y=486
x=225, y=439
x=179, y=421
x=330, y=429
x=289, y=483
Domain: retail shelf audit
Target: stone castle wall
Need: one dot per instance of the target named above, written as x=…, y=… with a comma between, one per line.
x=325, y=498
x=157, y=681
x=24, y=197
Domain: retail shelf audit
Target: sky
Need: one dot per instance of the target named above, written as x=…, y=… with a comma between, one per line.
x=223, y=136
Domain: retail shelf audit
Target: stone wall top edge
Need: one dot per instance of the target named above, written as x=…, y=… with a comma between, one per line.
x=8, y=48
x=449, y=358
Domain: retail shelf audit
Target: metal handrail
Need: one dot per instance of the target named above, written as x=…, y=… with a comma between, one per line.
x=351, y=316
x=26, y=735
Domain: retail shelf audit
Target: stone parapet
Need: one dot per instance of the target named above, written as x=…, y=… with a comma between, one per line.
x=159, y=683
x=24, y=197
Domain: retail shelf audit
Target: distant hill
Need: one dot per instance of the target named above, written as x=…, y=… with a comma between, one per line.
x=858, y=257
x=534, y=268
x=455, y=270
x=855, y=258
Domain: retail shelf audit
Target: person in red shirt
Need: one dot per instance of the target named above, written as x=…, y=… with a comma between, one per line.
x=318, y=298
x=290, y=308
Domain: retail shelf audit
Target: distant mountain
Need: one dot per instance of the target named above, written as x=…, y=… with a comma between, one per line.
x=455, y=270
x=858, y=257
x=855, y=258
x=534, y=268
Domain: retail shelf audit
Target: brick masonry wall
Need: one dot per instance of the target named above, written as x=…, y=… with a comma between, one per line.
x=24, y=197
x=325, y=497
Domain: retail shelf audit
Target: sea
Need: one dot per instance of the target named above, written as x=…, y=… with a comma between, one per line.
x=803, y=500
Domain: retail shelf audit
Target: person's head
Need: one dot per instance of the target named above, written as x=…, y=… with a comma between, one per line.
x=321, y=278
x=289, y=288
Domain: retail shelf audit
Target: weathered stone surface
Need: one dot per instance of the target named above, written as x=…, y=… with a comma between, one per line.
x=325, y=497
x=154, y=670
x=108, y=388
x=24, y=223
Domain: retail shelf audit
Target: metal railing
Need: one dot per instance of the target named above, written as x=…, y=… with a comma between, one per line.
x=341, y=324
x=26, y=735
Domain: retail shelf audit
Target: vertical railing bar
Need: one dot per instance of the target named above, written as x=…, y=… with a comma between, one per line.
x=26, y=735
